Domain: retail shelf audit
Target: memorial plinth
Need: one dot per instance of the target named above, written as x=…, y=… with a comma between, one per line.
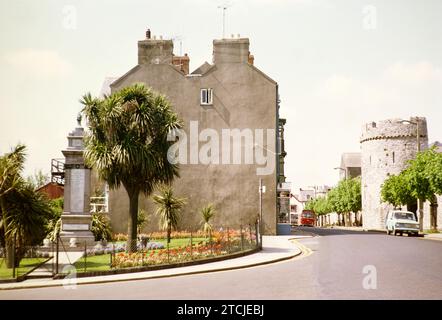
x=76, y=220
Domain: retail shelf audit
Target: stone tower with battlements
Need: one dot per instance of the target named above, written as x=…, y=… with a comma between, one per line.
x=386, y=146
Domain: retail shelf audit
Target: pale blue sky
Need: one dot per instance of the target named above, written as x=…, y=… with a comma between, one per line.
x=333, y=72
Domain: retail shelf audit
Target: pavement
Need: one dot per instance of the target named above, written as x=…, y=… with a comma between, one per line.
x=275, y=249
x=340, y=264
x=431, y=236
x=64, y=259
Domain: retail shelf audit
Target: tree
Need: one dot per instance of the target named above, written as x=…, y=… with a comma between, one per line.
x=396, y=190
x=38, y=179
x=333, y=199
x=434, y=174
x=24, y=213
x=425, y=180
x=128, y=144
x=345, y=198
x=421, y=179
x=207, y=213
x=168, y=208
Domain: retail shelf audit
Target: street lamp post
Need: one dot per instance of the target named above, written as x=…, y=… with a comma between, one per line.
x=420, y=203
x=260, y=213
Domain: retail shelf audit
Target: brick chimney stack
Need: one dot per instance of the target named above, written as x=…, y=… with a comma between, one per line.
x=182, y=62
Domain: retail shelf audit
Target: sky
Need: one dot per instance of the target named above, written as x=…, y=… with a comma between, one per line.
x=338, y=64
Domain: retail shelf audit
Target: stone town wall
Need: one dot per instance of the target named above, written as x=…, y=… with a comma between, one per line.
x=386, y=146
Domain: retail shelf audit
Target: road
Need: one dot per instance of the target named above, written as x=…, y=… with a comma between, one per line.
x=396, y=268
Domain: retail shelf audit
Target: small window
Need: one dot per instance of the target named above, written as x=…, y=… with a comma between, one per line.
x=393, y=157
x=206, y=96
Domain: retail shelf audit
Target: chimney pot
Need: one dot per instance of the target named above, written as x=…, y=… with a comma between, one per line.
x=148, y=34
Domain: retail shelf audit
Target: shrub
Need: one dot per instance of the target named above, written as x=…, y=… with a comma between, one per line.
x=101, y=227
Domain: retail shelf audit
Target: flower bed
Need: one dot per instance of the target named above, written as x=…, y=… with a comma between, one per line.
x=121, y=247
x=164, y=256
x=181, y=249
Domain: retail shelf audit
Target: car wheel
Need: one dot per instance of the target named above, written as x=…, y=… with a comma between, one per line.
x=401, y=233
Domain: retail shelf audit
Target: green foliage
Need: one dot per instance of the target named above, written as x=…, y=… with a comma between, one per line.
x=11, y=166
x=53, y=226
x=141, y=220
x=345, y=197
x=433, y=170
x=425, y=175
x=207, y=214
x=168, y=208
x=38, y=179
x=420, y=180
x=128, y=139
x=396, y=190
x=101, y=227
x=128, y=144
x=24, y=213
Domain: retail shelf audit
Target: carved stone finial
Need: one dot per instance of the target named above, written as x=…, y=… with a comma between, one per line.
x=79, y=117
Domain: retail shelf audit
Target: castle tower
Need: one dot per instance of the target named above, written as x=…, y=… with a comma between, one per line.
x=386, y=146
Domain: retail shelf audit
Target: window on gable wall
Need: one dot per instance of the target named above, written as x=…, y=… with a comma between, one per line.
x=206, y=96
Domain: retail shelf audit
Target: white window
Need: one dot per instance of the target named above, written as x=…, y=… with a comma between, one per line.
x=207, y=96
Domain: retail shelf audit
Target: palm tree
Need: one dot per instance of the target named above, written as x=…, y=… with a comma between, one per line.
x=128, y=145
x=207, y=213
x=11, y=166
x=168, y=208
x=24, y=212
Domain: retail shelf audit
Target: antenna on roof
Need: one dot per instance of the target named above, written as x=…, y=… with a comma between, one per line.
x=224, y=7
x=180, y=39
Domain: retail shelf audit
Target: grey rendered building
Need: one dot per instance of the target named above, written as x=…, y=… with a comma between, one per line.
x=230, y=93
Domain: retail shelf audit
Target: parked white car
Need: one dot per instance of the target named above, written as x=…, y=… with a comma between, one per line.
x=401, y=222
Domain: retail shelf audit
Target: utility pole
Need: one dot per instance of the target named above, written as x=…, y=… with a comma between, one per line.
x=260, y=213
x=420, y=203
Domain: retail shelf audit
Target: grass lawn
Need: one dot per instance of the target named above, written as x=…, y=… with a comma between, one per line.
x=431, y=231
x=26, y=264
x=175, y=243
x=102, y=262
x=94, y=263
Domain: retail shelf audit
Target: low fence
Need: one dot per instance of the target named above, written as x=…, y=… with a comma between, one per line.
x=16, y=262
x=154, y=251
x=149, y=252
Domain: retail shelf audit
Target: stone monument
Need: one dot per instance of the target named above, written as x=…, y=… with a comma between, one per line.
x=76, y=220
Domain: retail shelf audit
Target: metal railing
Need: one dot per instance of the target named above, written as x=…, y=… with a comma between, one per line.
x=153, y=250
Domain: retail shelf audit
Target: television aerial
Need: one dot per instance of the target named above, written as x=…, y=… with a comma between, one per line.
x=178, y=38
x=224, y=7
